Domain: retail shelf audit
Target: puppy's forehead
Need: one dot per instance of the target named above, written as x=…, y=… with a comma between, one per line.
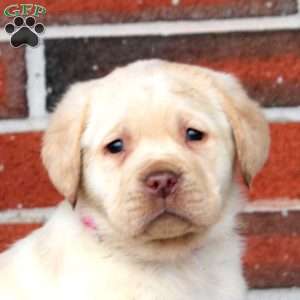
x=146, y=85
x=147, y=95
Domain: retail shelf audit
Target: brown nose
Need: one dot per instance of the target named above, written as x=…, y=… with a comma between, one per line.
x=161, y=184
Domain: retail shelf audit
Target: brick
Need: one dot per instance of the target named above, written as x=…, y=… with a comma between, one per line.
x=270, y=74
x=270, y=223
x=280, y=178
x=23, y=180
x=12, y=82
x=272, y=261
x=110, y=11
x=272, y=258
x=10, y=233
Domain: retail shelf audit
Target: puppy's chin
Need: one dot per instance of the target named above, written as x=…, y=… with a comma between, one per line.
x=168, y=226
x=168, y=249
x=167, y=238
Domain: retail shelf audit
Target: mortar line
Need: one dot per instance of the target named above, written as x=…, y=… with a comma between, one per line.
x=36, y=81
x=166, y=28
x=278, y=293
x=169, y=27
x=30, y=215
x=23, y=125
x=282, y=114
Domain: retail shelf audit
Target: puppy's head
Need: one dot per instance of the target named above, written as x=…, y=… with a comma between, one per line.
x=150, y=150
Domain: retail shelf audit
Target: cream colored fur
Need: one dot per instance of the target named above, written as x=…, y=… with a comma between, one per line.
x=138, y=251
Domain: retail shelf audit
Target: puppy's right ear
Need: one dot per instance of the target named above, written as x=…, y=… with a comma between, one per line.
x=61, y=144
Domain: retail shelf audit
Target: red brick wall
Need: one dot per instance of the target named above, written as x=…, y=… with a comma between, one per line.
x=111, y=11
x=265, y=57
x=12, y=82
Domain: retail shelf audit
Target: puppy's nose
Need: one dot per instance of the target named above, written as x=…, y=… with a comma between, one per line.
x=161, y=184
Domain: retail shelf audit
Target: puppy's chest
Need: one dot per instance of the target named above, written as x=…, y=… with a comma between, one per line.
x=151, y=289
x=145, y=291
x=203, y=277
x=120, y=284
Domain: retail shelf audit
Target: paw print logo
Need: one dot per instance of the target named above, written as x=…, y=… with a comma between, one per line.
x=24, y=32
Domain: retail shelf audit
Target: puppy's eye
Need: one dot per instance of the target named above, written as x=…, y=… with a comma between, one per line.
x=115, y=146
x=194, y=135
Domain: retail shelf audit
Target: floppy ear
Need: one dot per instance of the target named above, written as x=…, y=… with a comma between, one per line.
x=61, y=144
x=250, y=128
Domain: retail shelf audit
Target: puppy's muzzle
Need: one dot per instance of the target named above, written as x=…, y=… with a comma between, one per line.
x=161, y=184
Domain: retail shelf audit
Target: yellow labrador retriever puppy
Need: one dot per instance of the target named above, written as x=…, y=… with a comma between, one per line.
x=145, y=157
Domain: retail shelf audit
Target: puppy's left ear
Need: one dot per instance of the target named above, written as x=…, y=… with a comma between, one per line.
x=250, y=128
x=61, y=144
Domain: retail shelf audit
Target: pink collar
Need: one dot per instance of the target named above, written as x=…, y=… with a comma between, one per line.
x=89, y=222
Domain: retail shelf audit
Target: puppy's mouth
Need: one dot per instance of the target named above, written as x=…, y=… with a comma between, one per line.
x=168, y=225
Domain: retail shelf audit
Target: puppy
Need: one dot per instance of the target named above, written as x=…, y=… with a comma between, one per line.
x=145, y=158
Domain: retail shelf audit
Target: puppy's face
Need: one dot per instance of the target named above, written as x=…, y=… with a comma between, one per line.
x=157, y=153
